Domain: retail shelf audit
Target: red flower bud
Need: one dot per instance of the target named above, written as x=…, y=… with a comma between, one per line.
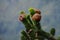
x=22, y=17
x=36, y=17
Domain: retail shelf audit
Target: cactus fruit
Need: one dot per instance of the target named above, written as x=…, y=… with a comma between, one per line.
x=37, y=11
x=22, y=17
x=36, y=17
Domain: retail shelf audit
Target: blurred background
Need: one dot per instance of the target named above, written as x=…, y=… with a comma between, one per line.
x=10, y=26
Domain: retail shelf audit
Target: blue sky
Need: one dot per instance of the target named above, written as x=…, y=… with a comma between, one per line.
x=10, y=26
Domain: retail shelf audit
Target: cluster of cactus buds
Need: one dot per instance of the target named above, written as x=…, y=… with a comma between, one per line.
x=33, y=27
x=36, y=16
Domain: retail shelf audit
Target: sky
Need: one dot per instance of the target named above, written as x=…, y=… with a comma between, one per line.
x=10, y=26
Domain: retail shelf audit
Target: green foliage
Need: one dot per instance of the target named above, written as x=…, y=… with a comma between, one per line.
x=25, y=36
x=58, y=38
x=52, y=31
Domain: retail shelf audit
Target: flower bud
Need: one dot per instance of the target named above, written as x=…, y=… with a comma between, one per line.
x=37, y=11
x=22, y=17
x=36, y=17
